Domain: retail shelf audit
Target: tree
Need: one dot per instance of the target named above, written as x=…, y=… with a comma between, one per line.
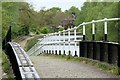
x=99, y=10
x=10, y=17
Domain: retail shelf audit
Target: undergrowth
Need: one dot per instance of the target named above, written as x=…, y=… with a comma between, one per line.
x=6, y=66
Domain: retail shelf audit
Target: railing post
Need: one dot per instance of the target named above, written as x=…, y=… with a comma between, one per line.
x=69, y=39
x=48, y=46
x=75, y=33
x=55, y=43
x=105, y=29
x=64, y=42
x=59, y=43
x=51, y=42
x=93, y=30
x=83, y=30
x=75, y=40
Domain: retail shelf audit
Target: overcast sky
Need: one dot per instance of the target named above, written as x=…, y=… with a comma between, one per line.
x=63, y=4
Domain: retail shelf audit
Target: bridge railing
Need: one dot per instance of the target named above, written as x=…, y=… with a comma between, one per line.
x=21, y=64
x=67, y=40
x=103, y=50
x=71, y=41
x=62, y=42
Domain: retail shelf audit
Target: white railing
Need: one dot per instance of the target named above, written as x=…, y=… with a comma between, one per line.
x=66, y=41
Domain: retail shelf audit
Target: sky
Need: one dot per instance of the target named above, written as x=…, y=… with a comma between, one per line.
x=63, y=4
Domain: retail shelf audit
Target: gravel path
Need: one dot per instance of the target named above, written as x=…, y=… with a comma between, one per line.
x=49, y=67
x=23, y=42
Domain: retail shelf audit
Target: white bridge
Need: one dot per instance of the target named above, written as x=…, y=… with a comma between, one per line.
x=67, y=41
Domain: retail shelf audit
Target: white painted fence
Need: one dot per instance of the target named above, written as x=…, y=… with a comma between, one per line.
x=66, y=41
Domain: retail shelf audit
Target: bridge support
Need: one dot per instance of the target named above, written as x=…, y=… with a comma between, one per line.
x=119, y=58
x=112, y=53
x=83, y=49
x=103, y=52
x=90, y=50
x=96, y=51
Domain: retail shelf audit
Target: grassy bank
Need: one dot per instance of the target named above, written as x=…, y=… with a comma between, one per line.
x=32, y=42
x=101, y=65
x=6, y=66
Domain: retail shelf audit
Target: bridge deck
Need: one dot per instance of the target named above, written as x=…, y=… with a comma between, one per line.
x=49, y=67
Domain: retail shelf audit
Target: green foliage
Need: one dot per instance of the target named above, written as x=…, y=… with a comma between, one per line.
x=73, y=9
x=69, y=57
x=10, y=15
x=99, y=10
x=25, y=20
x=60, y=29
x=30, y=43
x=44, y=30
x=6, y=66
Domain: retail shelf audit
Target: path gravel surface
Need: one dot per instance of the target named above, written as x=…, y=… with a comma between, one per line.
x=49, y=67
x=23, y=42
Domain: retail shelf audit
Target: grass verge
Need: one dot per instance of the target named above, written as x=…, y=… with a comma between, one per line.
x=101, y=65
x=6, y=66
x=30, y=43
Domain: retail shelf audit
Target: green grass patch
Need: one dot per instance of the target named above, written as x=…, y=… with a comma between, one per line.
x=30, y=43
x=101, y=65
x=6, y=66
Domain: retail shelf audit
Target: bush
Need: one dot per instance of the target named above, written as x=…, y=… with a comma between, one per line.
x=60, y=29
x=44, y=31
x=7, y=67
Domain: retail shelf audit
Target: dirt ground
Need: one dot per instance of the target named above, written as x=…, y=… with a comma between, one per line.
x=49, y=67
x=23, y=42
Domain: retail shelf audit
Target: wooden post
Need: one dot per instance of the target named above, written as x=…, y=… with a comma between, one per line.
x=59, y=43
x=75, y=33
x=93, y=30
x=69, y=39
x=83, y=30
x=105, y=29
x=64, y=42
x=75, y=41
